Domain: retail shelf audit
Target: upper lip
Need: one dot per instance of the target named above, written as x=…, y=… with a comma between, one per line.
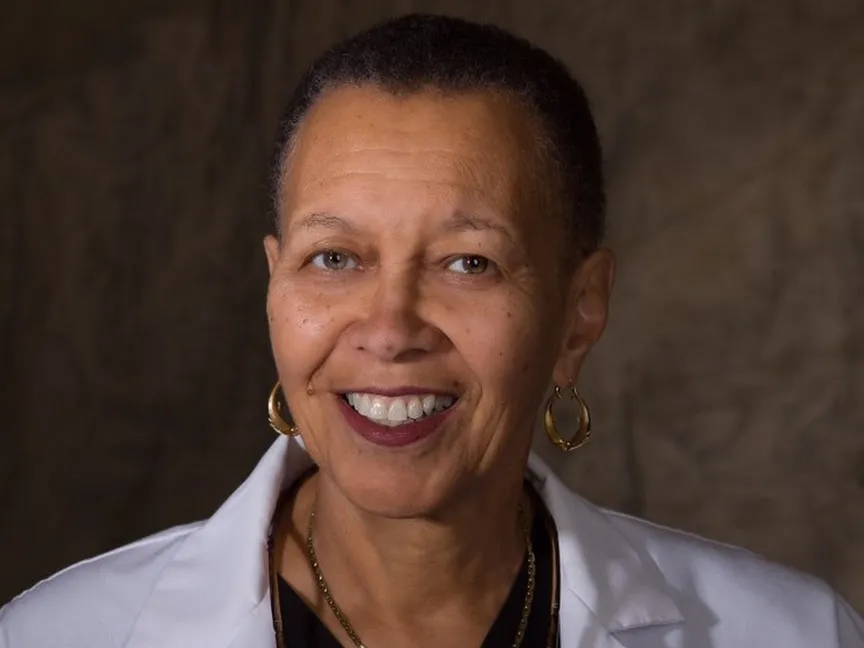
x=394, y=392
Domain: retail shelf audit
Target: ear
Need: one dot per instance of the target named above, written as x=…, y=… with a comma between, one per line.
x=587, y=312
x=271, y=249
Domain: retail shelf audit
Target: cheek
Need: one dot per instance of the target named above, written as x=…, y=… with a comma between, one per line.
x=302, y=331
x=507, y=344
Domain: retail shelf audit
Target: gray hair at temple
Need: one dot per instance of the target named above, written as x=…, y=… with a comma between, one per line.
x=416, y=52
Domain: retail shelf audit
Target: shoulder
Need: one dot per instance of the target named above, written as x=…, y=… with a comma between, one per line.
x=737, y=588
x=679, y=553
x=93, y=603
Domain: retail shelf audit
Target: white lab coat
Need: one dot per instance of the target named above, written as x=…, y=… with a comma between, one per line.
x=625, y=583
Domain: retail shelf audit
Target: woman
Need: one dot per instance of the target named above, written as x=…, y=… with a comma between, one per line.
x=437, y=265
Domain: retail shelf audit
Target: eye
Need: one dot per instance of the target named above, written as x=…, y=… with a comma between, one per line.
x=334, y=260
x=471, y=264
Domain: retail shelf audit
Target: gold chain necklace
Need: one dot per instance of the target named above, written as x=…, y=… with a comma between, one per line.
x=346, y=624
x=276, y=539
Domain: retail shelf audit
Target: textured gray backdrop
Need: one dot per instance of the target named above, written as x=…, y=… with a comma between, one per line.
x=727, y=393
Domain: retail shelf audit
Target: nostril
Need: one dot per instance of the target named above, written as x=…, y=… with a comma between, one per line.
x=390, y=339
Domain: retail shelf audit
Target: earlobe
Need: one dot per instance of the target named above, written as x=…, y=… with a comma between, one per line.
x=566, y=370
x=271, y=249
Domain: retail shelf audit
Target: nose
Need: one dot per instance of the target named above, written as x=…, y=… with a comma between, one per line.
x=391, y=326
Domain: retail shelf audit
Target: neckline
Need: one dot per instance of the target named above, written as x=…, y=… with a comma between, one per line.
x=546, y=606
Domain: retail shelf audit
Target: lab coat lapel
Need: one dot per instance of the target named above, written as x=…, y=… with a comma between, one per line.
x=216, y=590
x=256, y=630
x=608, y=587
x=215, y=593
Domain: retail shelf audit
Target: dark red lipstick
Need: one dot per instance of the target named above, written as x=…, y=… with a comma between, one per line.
x=392, y=437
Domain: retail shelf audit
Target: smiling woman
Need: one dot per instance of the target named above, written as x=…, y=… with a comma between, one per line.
x=422, y=295
x=436, y=266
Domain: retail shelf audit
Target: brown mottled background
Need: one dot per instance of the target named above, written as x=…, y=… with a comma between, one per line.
x=134, y=365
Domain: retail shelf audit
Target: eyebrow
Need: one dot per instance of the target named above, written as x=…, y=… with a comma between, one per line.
x=322, y=220
x=462, y=221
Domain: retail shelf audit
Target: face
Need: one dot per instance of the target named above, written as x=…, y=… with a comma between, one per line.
x=417, y=307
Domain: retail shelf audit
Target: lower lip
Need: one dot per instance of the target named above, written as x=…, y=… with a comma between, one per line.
x=392, y=437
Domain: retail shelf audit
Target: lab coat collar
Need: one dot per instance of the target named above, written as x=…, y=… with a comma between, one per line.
x=218, y=580
x=215, y=591
x=616, y=581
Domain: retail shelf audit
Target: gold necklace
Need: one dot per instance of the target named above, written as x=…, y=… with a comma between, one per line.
x=346, y=624
x=276, y=538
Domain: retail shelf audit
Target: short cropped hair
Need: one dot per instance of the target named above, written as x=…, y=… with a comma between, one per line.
x=418, y=51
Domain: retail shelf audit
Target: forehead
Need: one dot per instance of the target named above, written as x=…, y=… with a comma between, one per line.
x=480, y=141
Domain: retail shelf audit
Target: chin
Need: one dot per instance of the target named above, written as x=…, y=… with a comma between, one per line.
x=397, y=471
x=400, y=488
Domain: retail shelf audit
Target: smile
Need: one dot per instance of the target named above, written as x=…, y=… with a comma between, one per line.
x=399, y=410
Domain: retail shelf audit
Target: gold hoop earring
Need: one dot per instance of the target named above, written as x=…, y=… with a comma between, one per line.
x=274, y=414
x=582, y=434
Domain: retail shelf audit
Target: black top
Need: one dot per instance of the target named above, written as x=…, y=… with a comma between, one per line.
x=303, y=629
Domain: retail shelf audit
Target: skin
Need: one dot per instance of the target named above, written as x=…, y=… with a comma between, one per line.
x=404, y=189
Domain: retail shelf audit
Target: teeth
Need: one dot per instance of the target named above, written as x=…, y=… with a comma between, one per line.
x=397, y=411
x=415, y=408
x=379, y=410
x=429, y=404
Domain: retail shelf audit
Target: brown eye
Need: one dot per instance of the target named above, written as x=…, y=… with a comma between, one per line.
x=469, y=265
x=334, y=260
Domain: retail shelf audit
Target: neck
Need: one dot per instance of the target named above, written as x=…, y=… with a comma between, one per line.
x=402, y=569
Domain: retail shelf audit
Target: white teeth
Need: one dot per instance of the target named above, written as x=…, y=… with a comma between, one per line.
x=429, y=404
x=398, y=411
x=415, y=408
x=378, y=410
x=365, y=405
